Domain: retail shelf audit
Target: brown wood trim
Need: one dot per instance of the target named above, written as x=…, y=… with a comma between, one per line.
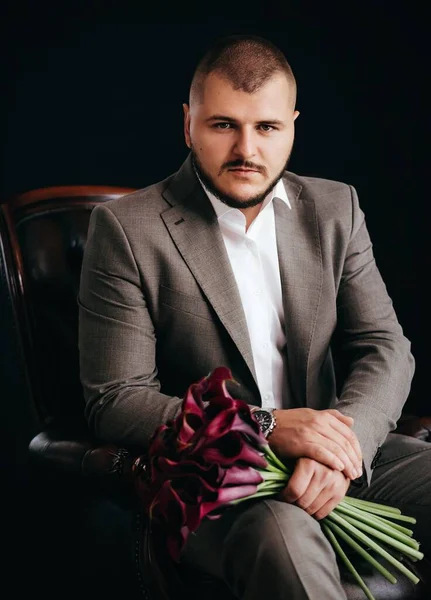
x=53, y=206
x=66, y=191
x=16, y=301
x=17, y=283
x=15, y=250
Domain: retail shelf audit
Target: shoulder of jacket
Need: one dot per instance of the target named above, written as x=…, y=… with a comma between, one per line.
x=143, y=200
x=319, y=186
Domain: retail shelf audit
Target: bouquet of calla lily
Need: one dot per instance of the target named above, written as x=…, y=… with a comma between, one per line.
x=213, y=456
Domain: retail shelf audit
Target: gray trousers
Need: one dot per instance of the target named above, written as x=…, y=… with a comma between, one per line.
x=265, y=548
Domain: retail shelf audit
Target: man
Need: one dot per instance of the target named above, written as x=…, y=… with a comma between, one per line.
x=235, y=261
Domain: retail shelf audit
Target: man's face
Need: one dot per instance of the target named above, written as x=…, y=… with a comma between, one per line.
x=241, y=142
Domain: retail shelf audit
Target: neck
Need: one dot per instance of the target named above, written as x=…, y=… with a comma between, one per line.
x=250, y=214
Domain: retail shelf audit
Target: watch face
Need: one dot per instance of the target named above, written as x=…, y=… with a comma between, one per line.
x=264, y=418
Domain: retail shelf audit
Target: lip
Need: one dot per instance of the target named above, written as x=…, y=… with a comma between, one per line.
x=244, y=170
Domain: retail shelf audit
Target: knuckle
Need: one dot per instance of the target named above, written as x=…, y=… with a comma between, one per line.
x=351, y=436
x=293, y=492
x=315, y=419
x=337, y=500
x=319, y=453
x=335, y=449
x=302, y=504
x=302, y=430
x=328, y=481
x=346, y=445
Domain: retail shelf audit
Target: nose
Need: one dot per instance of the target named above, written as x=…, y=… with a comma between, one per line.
x=245, y=143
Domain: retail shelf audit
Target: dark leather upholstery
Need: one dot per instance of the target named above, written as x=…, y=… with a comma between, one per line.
x=43, y=234
x=82, y=489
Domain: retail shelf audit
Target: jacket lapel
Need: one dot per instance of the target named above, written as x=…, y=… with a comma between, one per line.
x=301, y=273
x=193, y=225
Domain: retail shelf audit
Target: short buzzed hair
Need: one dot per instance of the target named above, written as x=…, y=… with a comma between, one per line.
x=246, y=61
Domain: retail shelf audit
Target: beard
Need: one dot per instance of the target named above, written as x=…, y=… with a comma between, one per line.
x=232, y=201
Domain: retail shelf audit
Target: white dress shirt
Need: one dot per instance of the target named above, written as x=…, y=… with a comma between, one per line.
x=254, y=260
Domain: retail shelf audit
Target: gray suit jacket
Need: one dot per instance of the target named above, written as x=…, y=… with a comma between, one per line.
x=159, y=309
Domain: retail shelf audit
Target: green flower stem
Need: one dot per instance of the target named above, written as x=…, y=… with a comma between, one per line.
x=395, y=531
x=259, y=494
x=395, y=527
x=408, y=532
x=388, y=515
x=360, y=550
x=370, y=505
x=372, y=544
x=273, y=476
x=274, y=469
x=385, y=538
x=275, y=486
x=384, y=513
x=368, y=519
x=274, y=458
x=347, y=562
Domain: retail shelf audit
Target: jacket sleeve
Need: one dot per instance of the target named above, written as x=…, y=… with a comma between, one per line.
x=380, y=364
x=117, y=342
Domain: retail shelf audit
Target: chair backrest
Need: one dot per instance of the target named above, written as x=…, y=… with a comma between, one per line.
x=46, y=232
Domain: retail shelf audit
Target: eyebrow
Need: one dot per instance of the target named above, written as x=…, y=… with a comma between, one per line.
x=230, y=120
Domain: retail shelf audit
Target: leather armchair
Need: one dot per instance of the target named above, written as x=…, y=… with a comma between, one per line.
x=84, y=493
x=86, y=485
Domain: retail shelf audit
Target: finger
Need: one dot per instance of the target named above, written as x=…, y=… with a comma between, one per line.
x=322, y=454
x=349, y=434
x=339, y=433
x=357, y=447
x=313, y=503
x=348, y=449
x=343, y=418
x=298, y=483
x=314, y=496
x=324, y=449
x=327, y=508
x=327, y=423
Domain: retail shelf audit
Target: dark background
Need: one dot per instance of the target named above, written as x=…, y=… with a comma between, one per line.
x=92, y=94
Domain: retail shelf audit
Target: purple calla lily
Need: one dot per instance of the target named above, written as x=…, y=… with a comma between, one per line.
x=213, y=456
x=203, y=460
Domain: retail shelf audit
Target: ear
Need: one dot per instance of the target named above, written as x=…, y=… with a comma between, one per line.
x=186, y=110
x=295, y=115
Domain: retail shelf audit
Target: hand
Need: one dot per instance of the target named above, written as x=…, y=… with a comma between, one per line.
x=323, y=435
x=315, y=488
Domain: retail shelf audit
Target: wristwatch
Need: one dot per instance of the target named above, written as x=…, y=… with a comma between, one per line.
x=265, y=418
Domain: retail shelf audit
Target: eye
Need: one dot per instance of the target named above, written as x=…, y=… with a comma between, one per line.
x=223, y=126
x=266, y=128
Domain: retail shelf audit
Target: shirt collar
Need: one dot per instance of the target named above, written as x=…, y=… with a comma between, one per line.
x=221, y=208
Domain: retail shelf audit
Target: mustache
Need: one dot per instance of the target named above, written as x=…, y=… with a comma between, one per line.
x=245, y=164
